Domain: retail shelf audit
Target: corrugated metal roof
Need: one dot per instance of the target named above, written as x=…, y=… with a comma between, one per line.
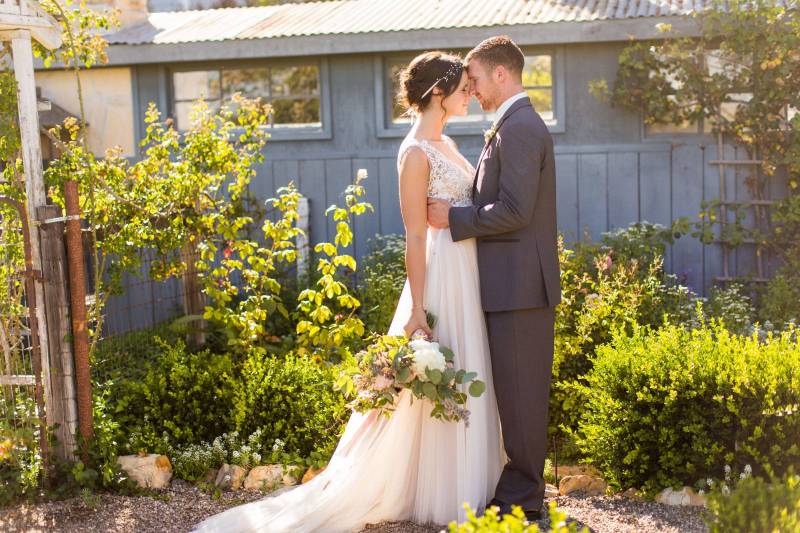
x=372, y=16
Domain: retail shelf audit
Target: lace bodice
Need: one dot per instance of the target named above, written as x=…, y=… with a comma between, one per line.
x=448, y=180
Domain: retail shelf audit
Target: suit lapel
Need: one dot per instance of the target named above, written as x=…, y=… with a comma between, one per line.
x=519, y=104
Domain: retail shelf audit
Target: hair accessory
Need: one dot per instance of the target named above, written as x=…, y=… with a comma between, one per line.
x=455, y=69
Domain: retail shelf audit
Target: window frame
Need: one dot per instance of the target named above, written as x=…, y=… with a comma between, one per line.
x=386, y=129
x=295, y=133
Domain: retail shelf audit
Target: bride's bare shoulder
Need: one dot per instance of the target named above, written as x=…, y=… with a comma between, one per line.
x=412, y=158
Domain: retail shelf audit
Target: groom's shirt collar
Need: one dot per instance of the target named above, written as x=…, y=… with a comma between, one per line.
x=506, y=105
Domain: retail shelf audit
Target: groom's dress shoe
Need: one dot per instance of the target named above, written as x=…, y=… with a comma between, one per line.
x=532, y=515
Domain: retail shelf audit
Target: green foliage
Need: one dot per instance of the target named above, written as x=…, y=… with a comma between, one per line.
x=780, y=303
x=732, y=306
x=756, y=505
x=669, y=407
x=514, y=522
x=188, y=192
x=129, y=355
x=328, y=325
x=185, y=397
x=381, y=282
x=243, y=309
x=738, y=78
x=618, y=283
x=290, y=400
x=20, y=457
x=82, y=31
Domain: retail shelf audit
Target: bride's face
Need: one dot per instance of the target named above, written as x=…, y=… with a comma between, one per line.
x=457, y=103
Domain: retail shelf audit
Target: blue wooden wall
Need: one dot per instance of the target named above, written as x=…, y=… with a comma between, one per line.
x=609, y=173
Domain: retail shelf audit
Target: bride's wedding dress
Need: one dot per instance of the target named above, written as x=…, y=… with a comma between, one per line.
x=409, y=466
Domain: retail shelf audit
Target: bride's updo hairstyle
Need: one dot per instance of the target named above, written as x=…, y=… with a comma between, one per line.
x=426, y=71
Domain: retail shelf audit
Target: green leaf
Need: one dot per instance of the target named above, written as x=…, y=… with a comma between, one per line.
x=429, y=389
x=476, y=388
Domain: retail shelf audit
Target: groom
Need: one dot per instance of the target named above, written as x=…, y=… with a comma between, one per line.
x=514, y=220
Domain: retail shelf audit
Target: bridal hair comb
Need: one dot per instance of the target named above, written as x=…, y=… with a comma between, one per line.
x=454, y=70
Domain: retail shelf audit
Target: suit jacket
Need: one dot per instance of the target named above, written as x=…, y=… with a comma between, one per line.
x=513, y=215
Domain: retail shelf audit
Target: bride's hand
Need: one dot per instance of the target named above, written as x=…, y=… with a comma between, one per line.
x=418, y=320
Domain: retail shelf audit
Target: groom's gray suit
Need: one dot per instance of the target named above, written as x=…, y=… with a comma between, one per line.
x=514, y=220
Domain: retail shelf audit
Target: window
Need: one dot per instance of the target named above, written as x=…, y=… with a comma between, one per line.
x=716, y=63
x=539, y=77
x=293, y=91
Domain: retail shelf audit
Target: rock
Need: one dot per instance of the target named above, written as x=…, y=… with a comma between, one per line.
x=311, y=473
x=267, y=477
x=686, y=496
x=550, y=491
x=633, y=494
x=148, y=471
x=230, y=477
x=578, y=470
x=211, y=475
x=589, y=485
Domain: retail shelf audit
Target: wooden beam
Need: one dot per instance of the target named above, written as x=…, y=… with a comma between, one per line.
x=17, y=380
x=22, y=55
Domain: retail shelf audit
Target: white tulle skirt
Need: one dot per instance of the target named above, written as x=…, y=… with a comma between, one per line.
x=409, y=466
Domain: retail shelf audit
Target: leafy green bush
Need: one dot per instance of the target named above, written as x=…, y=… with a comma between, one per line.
x=20, y=457
x=292, y=401
x=381, y=281
x=129, y=355
x=669, y=407
x=618, y=283
x=755, y=506
x=514, y=522
x=186, y=396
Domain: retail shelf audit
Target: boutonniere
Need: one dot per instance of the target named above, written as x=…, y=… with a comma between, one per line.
x=488, y=134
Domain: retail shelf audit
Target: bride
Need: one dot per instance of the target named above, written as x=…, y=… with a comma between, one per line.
x=411, y=466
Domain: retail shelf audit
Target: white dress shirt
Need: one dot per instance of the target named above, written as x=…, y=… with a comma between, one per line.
x=505, y=105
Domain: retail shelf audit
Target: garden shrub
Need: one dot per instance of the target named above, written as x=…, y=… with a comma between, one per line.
x=186, y=396
x=292, y=401
x=381, y=281
x=20, y=457
x=756, y=505
x=615, y=284
x=129, y=355
x=668, y=407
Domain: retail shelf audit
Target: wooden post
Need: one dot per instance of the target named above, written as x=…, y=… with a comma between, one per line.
x=63, y=409
x=303, y=240
x=22, y=54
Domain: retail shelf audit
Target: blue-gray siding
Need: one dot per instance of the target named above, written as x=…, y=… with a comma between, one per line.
x=608, y=173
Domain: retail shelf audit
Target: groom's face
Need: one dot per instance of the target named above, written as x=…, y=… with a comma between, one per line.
x=482, y=85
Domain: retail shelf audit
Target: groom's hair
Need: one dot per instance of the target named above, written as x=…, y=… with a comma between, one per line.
x=498, y=50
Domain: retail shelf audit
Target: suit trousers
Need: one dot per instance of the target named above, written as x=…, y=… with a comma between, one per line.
x=521, y=346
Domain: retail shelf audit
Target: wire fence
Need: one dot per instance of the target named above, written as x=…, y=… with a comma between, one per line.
x=21, y=416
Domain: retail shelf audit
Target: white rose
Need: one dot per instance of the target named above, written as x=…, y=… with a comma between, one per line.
x=428, y=358
x=419, y=344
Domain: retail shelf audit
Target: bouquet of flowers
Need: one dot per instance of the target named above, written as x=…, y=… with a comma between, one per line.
x=391, y=364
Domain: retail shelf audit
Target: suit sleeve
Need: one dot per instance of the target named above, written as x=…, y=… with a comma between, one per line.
x=520, y=153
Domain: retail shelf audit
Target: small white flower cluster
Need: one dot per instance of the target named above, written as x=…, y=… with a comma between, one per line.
x=728, y=479
x=427, y=356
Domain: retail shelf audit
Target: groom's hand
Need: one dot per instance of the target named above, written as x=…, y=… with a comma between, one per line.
x=438, y=211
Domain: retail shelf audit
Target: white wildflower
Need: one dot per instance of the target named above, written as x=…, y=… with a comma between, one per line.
x=710, y=482
x=748, y=470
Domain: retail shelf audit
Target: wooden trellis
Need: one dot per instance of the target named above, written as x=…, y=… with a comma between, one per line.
x=758, y=203
x=21, y=22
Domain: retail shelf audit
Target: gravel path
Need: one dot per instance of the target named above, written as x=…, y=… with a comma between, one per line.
x=182, y=505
